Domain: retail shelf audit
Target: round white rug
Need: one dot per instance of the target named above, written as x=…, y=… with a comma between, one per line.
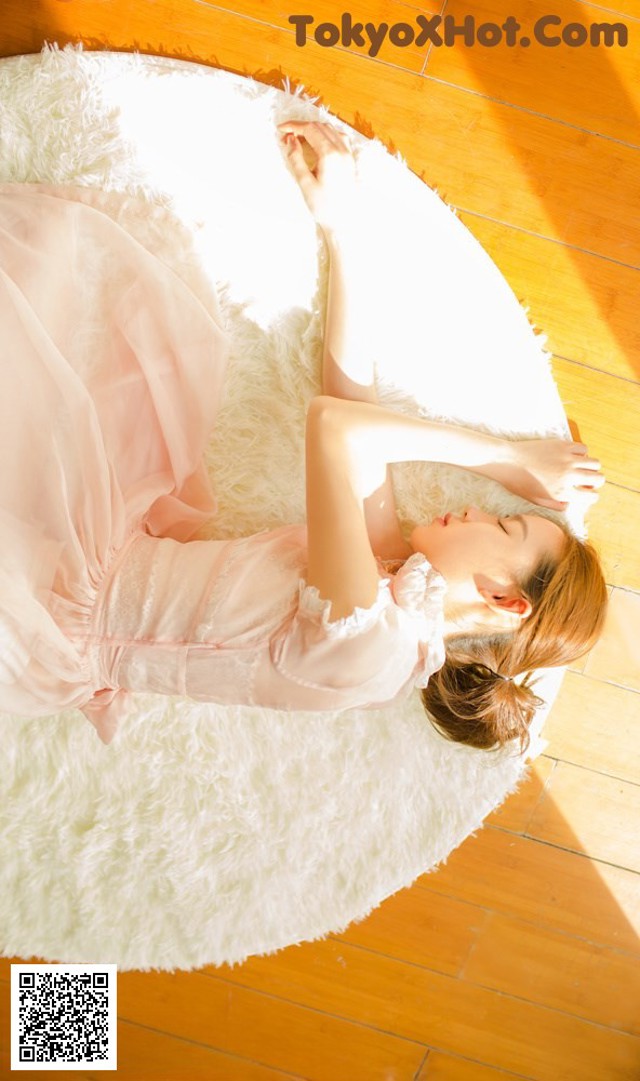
x=202, y=834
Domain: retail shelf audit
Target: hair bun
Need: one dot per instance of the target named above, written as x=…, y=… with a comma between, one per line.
x=498, y=675
x=468, y=703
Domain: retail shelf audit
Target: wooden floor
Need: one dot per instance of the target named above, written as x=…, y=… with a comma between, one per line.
x=518, y=959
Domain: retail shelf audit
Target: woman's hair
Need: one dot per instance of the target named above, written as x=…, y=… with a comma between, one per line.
x=467, y=699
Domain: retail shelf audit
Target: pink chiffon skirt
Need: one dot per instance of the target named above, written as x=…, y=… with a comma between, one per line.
x=111, y=376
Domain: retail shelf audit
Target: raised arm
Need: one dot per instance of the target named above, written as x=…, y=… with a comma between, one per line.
x=348, y=373
x=349, y=446
x=350, y=443
x=348, y=358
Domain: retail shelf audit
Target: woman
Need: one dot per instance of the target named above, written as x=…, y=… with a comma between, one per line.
x=522, y=592
x=104, y=588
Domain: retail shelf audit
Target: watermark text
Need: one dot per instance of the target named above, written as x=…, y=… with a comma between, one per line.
x=548, y=31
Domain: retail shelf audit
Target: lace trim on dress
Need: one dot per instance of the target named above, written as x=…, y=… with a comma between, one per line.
x=418, y=586
x=360, y=620
x=419, y=589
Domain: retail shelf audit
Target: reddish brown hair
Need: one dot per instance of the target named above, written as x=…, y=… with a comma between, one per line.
x=466, y=700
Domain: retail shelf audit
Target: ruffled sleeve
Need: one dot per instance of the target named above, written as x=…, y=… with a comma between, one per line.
x=420, y=590
x=373, y=655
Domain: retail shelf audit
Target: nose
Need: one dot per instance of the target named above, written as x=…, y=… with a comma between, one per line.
x=474, y=514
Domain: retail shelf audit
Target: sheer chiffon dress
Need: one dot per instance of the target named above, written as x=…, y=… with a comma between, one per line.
x=112, y=375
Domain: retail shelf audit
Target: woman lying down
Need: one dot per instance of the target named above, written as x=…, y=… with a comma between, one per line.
x=107, y=591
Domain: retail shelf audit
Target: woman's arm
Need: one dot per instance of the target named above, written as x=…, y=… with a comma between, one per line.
x=349, y=446
x=348, y=371
x=375, y=437
x=341, y=564
x=350, y=443
x=324, y=167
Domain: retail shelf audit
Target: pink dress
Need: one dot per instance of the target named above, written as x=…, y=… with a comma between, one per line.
x=105, y=416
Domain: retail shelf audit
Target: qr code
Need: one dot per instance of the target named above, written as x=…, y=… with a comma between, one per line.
x=63, y=1016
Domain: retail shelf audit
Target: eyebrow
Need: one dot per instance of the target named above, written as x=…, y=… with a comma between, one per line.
x=519, y=518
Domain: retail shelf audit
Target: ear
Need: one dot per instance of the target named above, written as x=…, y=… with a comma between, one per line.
x=506, y=603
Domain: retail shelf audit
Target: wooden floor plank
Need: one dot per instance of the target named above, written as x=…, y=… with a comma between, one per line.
x=595, y=88
x=586, y=811
x=550, y=201
x=545, y=885
x=145, y=1055
x=616, y=657
x=607, y=411
x=410, y=57
x=554, y=180
x=439, y=1067
x=443, y=1012
x=533, y=153
x=437, y=932
x=586, y=305
x=515, y=813
x=222, y=1014
x=628, y=9
x=596, y=725
x=613, y=525
x=558, y=970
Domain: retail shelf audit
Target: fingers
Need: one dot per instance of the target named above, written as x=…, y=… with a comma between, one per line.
x=586, y=494
x=308, y=145
x=591, y=480
x=588, y=470
x=579, y=496
x=586, y=463
x=552, y=504
x=322, y=137
x=585, y=480
x=299, y=167
x=582, y=484
x=580, y=450
x=315, y=133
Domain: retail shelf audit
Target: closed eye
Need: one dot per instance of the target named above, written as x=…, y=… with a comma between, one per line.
x=503, y=528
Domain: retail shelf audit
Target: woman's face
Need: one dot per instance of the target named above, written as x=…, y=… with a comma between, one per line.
x=480, y=553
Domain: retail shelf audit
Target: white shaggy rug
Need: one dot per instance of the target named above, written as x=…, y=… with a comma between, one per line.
x=203, y=835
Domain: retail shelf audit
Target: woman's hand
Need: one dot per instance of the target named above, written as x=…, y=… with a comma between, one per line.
x=552, y=473
x=329, y=184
